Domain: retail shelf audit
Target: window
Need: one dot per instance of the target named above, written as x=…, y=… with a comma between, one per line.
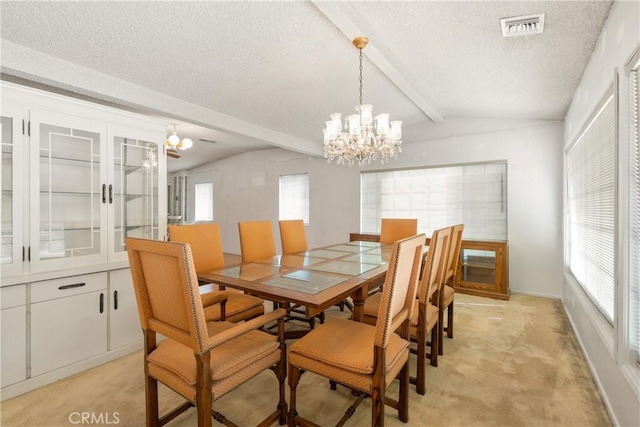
x=472, y=194
x=634, y=210
x=204, y=201
x=294, y=197
x=591, y=170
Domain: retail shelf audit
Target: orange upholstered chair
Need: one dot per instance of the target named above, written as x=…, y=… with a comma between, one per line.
x=202, y=361
x=206, y=249
x=448, y=292
x=292, y=236
x=256, y=240
x=392, y=229
x=367, y=358
x=425, y=319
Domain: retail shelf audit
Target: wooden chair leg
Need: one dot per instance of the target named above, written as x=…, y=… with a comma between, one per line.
x=433, y=350
x=421, y=360
x=403, y=398
x=440, y=326
x=282, y=374
x=450, y=320
x=377, y=408
x=203, y=391
x=294, y=378
x=151, y=397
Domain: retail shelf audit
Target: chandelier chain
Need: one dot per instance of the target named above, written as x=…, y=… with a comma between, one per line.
x=360, y=77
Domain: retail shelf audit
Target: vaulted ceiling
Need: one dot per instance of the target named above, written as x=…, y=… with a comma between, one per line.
x=252, y=75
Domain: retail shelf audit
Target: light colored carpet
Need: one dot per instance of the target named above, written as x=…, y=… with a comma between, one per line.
x=511, y=363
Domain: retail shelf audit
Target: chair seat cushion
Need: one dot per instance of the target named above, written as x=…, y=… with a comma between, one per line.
x=227, y=359
x=239, y=307
x=432, y=319
x=448, y=295
x=371, y=307
x=355, y=352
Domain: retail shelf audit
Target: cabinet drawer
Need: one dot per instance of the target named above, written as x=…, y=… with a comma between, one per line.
x=13, y=296
x=67, y=286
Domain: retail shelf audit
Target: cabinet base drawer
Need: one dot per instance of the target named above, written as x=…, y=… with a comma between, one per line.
x=67, y=286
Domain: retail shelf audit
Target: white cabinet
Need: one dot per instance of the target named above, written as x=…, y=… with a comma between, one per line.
x=92, y=176
x=133, y=192
x=124, y=322
x=77, y=179
x=13, y=357
x=13, y=190
x=68, y=191
x=68, y=321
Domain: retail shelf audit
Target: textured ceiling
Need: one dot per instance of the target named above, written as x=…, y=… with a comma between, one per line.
x=257, y=74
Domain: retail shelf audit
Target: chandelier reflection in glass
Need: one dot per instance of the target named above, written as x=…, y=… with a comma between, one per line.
x=358, y=141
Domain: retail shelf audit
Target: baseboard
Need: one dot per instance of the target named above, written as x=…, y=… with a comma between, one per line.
x=31, y=384
x=590, y=365
x=535, y=294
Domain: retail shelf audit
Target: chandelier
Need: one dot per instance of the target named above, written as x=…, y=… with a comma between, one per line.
x=174, y=141
x=358, y=141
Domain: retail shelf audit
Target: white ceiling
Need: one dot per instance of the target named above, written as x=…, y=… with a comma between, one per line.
x=252, y=75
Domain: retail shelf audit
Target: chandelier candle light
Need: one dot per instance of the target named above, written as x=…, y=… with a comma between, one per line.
x=357, y=142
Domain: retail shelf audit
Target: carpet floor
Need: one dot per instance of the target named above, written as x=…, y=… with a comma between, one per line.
x=511, y=363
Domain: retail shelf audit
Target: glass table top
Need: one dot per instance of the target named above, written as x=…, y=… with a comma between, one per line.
x=344, y=267
x=249, y=272
x=306, y=281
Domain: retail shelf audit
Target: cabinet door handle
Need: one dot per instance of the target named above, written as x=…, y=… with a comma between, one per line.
x=101, y=302
x=115, y=300
x=110, y=194
x=104, y=193
x=75, y=285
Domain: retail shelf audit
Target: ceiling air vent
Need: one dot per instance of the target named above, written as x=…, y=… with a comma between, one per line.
x=522, y=25
x=210, y=141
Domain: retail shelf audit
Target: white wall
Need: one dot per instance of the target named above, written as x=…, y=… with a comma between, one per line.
x=606, y=347
x=246, y=188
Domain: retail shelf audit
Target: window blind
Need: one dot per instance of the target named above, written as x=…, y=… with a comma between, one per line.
x=204, y=201
x=294, y=197
x=591, y=207
x=634, y=213
x=474, y=195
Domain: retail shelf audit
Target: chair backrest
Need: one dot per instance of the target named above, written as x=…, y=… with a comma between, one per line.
x=256, y=240
x=393, y=229
x=166, y=287
x=435, y=264
x=454, y=251
x=292, y=236
x=399, y=291
x=205, y=243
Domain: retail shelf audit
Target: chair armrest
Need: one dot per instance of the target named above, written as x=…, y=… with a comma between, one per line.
x=215, y=297
x=210, y=298
x=243, y=328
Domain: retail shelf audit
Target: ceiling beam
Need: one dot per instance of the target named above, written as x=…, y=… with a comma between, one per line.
x=352, y=24
x=28, y=64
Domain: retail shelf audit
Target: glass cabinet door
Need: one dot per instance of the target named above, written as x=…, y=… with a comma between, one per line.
x=134, y=197
x=69, y=200
x=12, y=244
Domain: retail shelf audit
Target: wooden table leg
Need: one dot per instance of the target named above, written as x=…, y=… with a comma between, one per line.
x=358, y=303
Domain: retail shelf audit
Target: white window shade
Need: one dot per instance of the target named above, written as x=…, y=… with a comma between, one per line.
x=294, y=197
x=204, y=201
x=474, y=195
x=591, y=170
x=634, y=213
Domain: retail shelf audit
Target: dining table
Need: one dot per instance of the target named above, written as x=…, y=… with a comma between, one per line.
x=316, y=279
